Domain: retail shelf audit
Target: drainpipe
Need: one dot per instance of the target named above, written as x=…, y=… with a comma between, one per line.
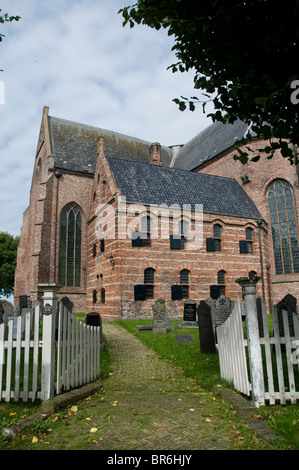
x=259, y=223
x=58, y=175
x=269, y=287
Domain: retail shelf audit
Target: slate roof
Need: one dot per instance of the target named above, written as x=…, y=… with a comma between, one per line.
x=209, y=143
x=150, y=184
x=74, y=146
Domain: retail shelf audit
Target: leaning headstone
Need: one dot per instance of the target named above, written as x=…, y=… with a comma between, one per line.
x=260, y=309
x=212, y=304
x=288, y=303
x=189, y=316
x=23, y=301
x=223, y=309
x=12, y=323
x=206, y=333
x=159, y=317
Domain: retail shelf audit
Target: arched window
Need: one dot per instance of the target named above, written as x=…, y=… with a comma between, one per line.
x=217, y=231
x=184, y=281
x=284, y=232
x=149, y=280
x=221, y=281
x=70, y=246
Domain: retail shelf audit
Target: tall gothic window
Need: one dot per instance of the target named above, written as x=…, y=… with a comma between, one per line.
x=284, y=232
x=70, y=246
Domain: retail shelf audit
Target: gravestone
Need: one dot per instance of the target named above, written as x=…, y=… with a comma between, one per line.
x=189, y=316
x=184, y=338
x=23, y=301
x=223, y=307
x=160, y=318
x=288, y=303
x=206, y=333
x=260, y=308
x=212, y=304
x=94, y=319
x=12, y=322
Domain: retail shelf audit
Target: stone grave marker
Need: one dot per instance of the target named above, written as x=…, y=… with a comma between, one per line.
x=160, y=317
x=184, y=338
x=206, y=333
x=260, y=308
x=189, y=316
x=288, y=303
x=212, y=304
x=14, y=327
x=223, y=307
x=94, y=319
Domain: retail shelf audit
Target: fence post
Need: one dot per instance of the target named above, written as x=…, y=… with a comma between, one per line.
x=48, y=351
x=254, y=348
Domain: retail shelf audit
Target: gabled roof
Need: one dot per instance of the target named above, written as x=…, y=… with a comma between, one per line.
x=150, y=184
x=212, y=141
x=74, y=146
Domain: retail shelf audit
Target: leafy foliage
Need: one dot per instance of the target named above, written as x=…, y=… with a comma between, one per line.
x=8, y=257
x=244, y=58
x=4, y=18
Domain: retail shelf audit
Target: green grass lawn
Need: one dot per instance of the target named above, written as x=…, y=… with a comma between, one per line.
x=205, y=369
x=188, y=360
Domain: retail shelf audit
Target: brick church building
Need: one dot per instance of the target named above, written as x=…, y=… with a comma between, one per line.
x=118, y=222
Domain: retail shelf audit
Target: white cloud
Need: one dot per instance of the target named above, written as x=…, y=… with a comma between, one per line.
x=75, y=57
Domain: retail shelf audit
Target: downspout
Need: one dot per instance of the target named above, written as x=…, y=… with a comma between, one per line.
x=269, y=287
x=58, y=175
x=259, y=223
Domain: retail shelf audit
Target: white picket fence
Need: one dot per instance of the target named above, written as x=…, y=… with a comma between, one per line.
x=280, y=357
x=47, y=351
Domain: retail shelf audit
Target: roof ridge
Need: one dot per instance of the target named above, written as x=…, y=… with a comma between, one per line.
x=104, y=129
x=171, y=168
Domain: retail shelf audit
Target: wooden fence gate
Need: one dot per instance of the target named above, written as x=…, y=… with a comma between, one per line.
x=269, y=370
x=46, y=351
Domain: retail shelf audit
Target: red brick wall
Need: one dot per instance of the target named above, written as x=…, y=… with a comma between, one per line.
x=262, y=174
x=130, y=262
x=38, y=251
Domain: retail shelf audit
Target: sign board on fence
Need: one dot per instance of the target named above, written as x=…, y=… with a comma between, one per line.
x=47, y=310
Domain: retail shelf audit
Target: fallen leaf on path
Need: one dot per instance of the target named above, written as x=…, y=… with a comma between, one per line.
x=34, y=440
x=74, y=409
x=93, y=430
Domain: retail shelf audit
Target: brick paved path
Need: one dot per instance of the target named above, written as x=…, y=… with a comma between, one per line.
x=147, y=405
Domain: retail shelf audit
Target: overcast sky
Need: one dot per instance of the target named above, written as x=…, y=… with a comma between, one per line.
x=76, y=57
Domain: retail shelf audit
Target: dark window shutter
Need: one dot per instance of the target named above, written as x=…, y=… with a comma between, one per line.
x=243, y=246
x=94, y=296
x=102, y=244
x=103, y=295
x=176, y=292
x=214, y=292
x=210, y=243
x=136, y=240
x=175, y=243
x=139, y=292
x=94, y=250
